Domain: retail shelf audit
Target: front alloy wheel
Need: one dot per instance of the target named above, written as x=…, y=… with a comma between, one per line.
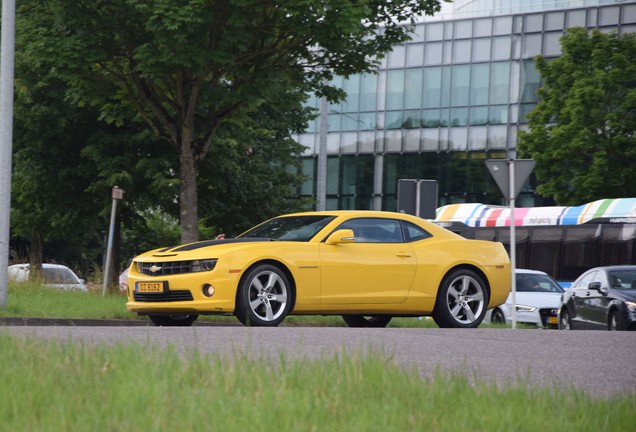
x=264, y=297
x=565, y=321
x=461, y=300
x=614, y=322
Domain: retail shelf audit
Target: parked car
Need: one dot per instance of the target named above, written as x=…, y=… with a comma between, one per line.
x=601, y=298
x=365, y=266
x=537, y=301
x=53, y=275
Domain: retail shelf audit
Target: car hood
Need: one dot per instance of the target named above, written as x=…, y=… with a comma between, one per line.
x=195, y=250
x=536, y=299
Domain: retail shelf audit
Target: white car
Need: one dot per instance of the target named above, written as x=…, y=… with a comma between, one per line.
x=537, y=299
x=53, y=275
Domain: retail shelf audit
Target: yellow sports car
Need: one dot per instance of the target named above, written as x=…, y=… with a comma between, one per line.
x=366, y=266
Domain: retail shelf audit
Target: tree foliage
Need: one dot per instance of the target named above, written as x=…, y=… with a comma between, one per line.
x=67, y=158
x=583, y=131
x=187, y=67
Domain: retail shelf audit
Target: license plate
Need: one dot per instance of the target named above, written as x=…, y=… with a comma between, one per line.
x=151, y=287
x=553, y=320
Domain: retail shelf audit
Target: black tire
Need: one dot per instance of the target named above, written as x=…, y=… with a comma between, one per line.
x=461, y=300
x=367, y=321
x=497, y=317
x=565, y=320
x=173, y=320
x=264, y=297
x=614, y=321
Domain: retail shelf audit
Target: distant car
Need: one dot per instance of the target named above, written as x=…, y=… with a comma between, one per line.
x=601, y=298
x=123, y=277
x=363, y=265
x=53, y=275
x=537, y=301
x=123, y=280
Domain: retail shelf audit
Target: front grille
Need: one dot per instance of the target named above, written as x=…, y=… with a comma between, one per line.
x=547, y=313
x=164, y=268
x=170, y=296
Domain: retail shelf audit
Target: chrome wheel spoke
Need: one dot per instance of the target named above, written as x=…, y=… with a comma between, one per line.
x=268, y=295
x=465, y=299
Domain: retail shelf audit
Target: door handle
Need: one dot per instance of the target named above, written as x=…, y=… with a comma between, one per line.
x=404, y=255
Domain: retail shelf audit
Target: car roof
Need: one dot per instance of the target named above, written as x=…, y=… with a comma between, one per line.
x=616, y=267
x=26, y=266
x=528, y=271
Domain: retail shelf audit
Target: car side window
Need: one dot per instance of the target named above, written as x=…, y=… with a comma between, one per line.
x=415, y=233
x=374, y=230
x=588, y=279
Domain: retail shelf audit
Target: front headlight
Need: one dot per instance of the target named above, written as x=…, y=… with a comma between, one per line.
x=631, y=306
x=524, y=308
x=203, y=265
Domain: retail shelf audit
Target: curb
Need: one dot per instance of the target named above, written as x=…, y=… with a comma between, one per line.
x=79, y=322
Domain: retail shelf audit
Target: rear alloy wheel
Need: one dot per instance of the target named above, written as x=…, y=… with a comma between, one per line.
x=497, y=317
x=461, y=300
x=173, y=320
x=264, y=297
x=367, y=321
x=565, y=320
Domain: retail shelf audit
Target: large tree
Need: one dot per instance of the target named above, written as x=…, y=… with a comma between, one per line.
x=186, y=67
x=583, y=131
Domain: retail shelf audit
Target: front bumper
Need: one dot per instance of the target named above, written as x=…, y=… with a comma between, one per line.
x=184, y=293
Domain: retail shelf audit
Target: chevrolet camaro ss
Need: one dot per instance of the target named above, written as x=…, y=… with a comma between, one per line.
x=367, y=266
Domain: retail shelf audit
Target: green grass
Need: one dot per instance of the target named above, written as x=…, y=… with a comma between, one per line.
x=35, y=301
x=51, y=386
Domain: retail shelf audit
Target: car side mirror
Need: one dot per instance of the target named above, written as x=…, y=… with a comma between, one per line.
x=340, y=236
x=597, y=287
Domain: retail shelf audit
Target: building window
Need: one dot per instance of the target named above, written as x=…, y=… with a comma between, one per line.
x=395, y=90
x=480, y=82
x=501, y=47
x=433, y=54
x=368, y=92
x=481, y=50
x=434, y=31
x=530, y=82
x=432, y=87
x=499, y=83
x=413, y=89
x=462, y=51
x=460, y=88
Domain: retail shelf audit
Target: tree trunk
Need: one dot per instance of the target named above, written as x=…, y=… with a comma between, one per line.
x=35, y=256
x=189, y=200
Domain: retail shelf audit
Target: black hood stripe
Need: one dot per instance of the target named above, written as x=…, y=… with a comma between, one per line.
x=207, y=243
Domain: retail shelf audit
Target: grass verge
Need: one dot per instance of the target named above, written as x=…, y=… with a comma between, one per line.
x=54, y=386
x=32, y=300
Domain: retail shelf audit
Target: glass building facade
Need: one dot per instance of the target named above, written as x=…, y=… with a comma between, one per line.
x=455, y=95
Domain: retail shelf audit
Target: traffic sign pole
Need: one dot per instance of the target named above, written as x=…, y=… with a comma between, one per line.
x=513, y=243
x=510, y=175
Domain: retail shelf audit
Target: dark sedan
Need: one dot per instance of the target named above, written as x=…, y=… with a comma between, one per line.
x=601, y=298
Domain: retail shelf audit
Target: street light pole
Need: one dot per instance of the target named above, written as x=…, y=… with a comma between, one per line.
x=117, y=195
x=7, y=54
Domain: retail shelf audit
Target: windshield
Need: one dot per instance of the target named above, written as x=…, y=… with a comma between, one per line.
x=531, y=282
x=623, y=279
x=58, y=276
x=293, y=228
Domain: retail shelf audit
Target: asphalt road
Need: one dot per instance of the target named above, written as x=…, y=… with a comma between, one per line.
x=601, y=363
